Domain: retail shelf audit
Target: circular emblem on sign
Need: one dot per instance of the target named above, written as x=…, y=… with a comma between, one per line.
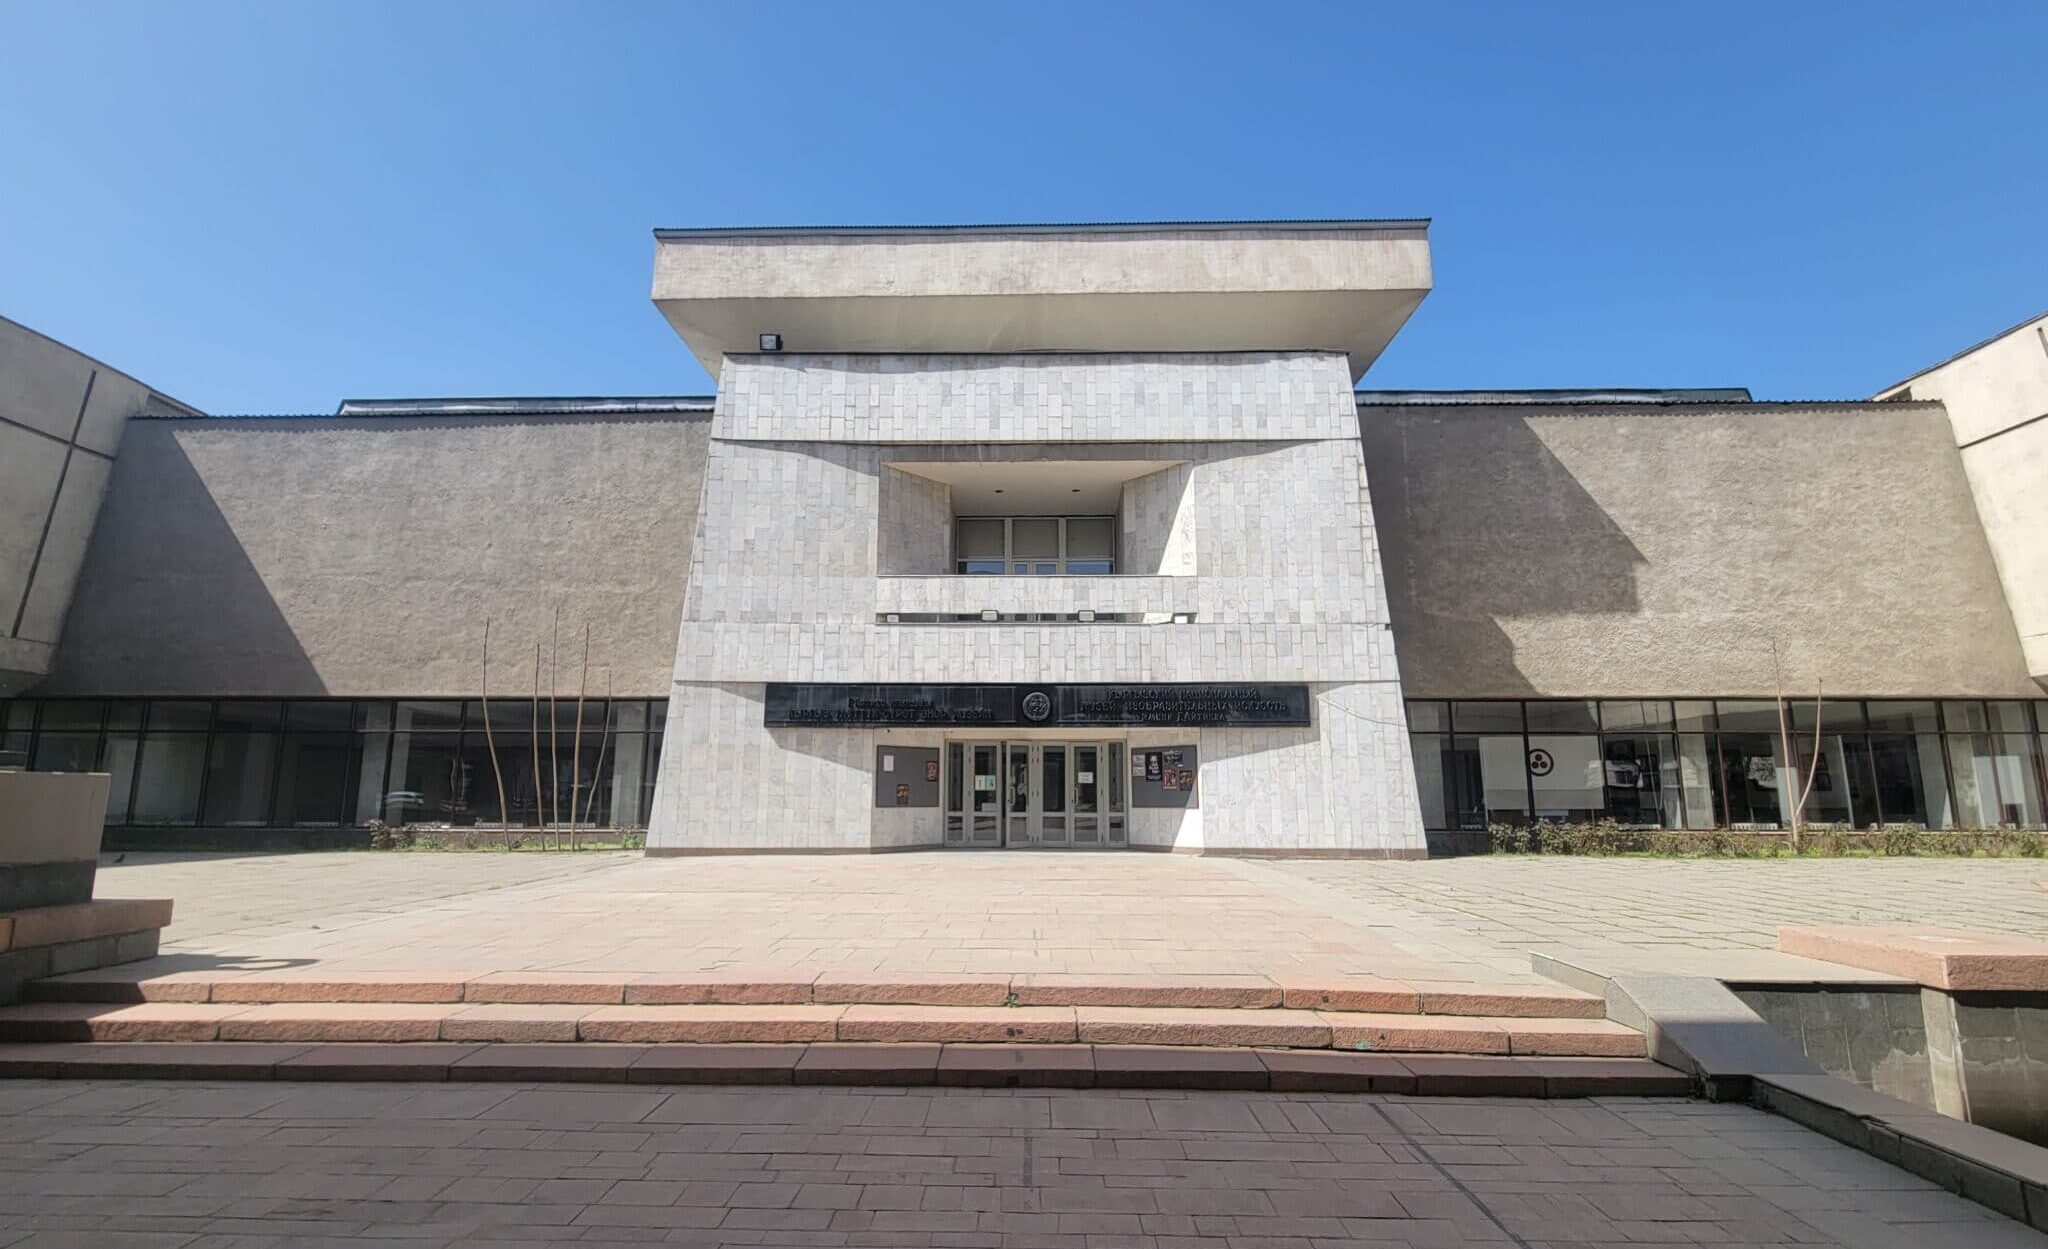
x=1540, y=763
x=1037, y=706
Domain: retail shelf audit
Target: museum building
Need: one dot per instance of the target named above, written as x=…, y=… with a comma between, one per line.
x=1061, y=537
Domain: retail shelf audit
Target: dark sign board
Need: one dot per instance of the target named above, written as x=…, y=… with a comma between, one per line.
x=1035, y=706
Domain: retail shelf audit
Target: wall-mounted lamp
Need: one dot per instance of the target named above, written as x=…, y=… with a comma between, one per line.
x=1183, y=618
x=1085, y=616
x=895, y=619
x=771, y=342
x=991, y=615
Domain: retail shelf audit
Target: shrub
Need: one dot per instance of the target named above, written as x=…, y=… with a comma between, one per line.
x=1607, y=837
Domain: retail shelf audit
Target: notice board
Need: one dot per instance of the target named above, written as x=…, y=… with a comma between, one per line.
x=1164, y=776
x=906, y=776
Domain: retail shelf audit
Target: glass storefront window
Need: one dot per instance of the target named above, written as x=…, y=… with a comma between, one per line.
x=1489, y=777
x=1697, y=777
x=1568, y=776
x=1752, y=777
x=182, y=716
x=312, y=779
x=1486, y=717
x=117, y=760
x=1424, y=717
x=168, y=774
x=1428, y=749
x=1620, y=716
x=1748, y=715
x=1562, y=717
x=66, y=752
x=238, y=776
x=1641, y=777
x=1996, y=780
x=1903, y=717
x=1694, y=715
x=1912, y=784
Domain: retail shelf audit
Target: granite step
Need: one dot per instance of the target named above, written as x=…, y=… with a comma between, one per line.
x=170, y=980
x=826, y=1063
x=793, y=1023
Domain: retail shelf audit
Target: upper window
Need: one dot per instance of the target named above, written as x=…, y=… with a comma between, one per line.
x=1035, y=546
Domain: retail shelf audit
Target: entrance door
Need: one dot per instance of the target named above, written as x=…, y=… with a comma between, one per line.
x=1053, y=795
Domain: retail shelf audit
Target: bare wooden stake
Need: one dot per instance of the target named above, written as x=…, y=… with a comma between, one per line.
x=540, y=812
x=604, y=743
x=576, y=751
x=491, y=742
x=554, y=749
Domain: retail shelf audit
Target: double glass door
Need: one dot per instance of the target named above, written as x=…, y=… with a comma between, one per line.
x=1030, y=795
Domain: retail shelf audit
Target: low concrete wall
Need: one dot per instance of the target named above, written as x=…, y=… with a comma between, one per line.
x=50, y=825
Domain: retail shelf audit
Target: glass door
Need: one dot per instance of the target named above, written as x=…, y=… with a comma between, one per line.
x=984, y=826
x=1088, y=786
x=1055, y=798
x=1020, y=824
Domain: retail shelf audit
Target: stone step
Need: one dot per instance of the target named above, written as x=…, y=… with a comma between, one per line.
x=714, y=1024
x=982, y=1066
x=82, y=921
x=170, y=980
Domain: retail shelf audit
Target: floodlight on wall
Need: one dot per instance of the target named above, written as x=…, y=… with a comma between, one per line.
x=771, y=342
x=895, y=619
x=1085, y=616
x=1183, y=618
x=991, y=615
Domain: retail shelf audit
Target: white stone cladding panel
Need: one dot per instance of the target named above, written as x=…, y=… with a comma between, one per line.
x=916, y=528
x=1345, y=785
x=1279, y=533
x=1261, y=505
x=789, y=533
x=1053, y=397
x=1157, y=520
x=971, y=652
x=727, y=781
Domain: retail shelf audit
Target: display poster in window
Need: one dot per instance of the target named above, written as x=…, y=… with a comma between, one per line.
x=903, y=795
x=1138, y=765
x=1187, y=779
x=1171, y=779
x=985, y=783
x=1171, y=758
x=1153, y=764
x=931, y=770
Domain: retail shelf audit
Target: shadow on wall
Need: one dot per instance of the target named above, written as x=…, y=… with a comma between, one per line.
x=1479, y=522
x=168, y=600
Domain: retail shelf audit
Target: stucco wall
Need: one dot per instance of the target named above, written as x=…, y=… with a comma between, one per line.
x=1613, y=550
x=61, y=416
x=360, y=556
x=1996, y=396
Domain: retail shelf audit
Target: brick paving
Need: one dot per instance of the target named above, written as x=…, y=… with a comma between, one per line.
x=1154, y=916
x=199, y=1166
x=1483, y=915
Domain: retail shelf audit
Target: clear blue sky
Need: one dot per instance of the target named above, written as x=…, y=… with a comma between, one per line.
x=270, y=207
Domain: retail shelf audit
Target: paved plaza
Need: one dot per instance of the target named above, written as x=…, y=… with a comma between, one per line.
x=251, y=1166
x=1474, y=919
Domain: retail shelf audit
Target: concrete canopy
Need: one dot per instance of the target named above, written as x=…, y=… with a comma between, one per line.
x=1210, y=286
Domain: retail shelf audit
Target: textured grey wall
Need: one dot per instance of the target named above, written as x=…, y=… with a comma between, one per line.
x=61, y=415
x=360, y=556
x=1611, y=550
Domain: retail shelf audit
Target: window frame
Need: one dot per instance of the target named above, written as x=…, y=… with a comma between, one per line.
x=1060, y=561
